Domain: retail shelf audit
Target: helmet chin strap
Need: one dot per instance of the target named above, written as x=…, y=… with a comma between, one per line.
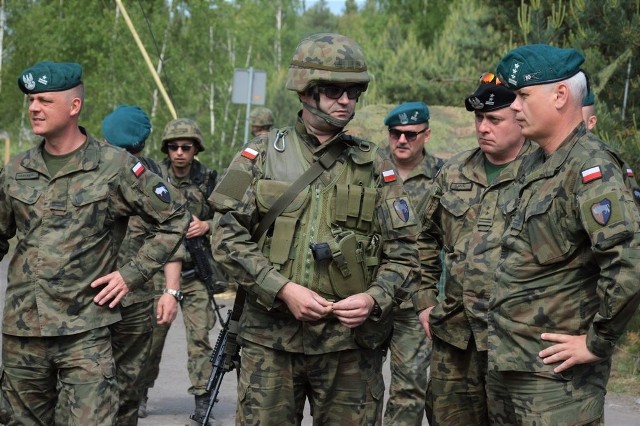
x=335, y=122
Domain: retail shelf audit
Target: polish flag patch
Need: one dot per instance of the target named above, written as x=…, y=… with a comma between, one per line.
x=591, y=174
x=630, y=172
x=138, y=169
x=249, y=153
x=389, y=175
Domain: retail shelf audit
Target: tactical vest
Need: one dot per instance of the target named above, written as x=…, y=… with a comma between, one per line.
x=327, y=239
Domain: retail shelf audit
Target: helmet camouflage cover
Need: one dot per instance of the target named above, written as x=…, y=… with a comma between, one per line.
x=261, y=117
x=326, y=57
x=182, y=128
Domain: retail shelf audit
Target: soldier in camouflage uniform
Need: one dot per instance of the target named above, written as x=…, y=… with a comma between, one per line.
x=62, y=201
x=128, y=127
x=322, y=281
x=182, y=141
x=590, y=119
x=409, y=349
x=567, y=280
x=261, y=120
x=466, y=206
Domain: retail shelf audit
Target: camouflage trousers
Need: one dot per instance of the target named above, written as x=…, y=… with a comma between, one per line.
x=409, y=356
x=344, y=388
x=457, y=387
x=574, y=397
x=199, y=319
x=62, y=380
x=131, y=341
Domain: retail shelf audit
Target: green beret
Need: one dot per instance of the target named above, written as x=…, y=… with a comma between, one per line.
x=538, y=64
x=128, y=127
x=50, y=77
x=589, y=99
x=490, y=97
x=407, y=113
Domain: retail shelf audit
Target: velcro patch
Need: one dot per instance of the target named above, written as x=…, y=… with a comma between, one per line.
x=389, y=176
x=162, y=192
x=138, y=169
x=249, y=153
x=461, y=186
x=26, y=175
x=591, y=174
x=602, y=212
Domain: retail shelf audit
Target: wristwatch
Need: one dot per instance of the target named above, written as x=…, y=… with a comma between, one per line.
x=175, y=293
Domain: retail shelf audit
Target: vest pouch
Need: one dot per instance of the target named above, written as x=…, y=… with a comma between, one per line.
x=347, y=272
x=277, y=243
x=374, y=334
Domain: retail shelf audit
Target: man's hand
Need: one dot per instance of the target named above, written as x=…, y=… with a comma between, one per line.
x=197, y=228
x=354, y=310
x=423, y=317
x=305, y=304
x=167, y=309
x=114, y=290
x=570, y=349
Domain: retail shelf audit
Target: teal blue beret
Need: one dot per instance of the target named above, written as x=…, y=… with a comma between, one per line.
x=50, y=77
x=128, y=127
x=407, y=113
x=538, y=64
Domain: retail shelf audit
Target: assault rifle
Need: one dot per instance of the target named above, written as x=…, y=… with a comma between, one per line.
x=225, y=358
x=204, y=265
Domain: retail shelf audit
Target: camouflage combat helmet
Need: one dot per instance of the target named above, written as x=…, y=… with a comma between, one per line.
x=261, y=117
x=326, y=57
x=182, y=128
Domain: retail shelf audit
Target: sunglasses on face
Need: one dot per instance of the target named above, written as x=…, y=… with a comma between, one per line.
x=395, y=134
x=489, y=77
x=185, y=148
x=336, y=92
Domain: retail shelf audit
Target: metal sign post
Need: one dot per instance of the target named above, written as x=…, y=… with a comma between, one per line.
x=249, y=87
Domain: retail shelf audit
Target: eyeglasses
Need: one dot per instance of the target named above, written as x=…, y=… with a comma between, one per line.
x=489, y=77
x=185, y=148
x=395, y=134
x=336, y=92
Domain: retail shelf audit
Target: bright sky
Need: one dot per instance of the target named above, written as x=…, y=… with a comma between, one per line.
x=336, y=6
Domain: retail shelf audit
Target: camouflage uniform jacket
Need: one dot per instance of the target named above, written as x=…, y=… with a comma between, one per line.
x=418, y=185
x=570, y=257
x=137, y=230
x=265, y=319
x=195, y=189
x=469, y=214
x=63, y=226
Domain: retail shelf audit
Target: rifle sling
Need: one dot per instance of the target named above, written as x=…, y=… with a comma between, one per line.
x=323, y=163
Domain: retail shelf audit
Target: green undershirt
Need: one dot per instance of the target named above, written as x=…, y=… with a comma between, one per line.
x=493, y=170
x=56, y=162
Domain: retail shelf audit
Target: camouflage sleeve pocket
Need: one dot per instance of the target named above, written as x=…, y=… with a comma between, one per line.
x=400, y=212
x=231, y=189
x=605, y=219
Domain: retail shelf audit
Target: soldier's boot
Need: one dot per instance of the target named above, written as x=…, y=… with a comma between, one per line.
x=142, y=408
x=202, y=403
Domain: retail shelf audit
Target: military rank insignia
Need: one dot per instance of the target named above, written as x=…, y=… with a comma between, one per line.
x=162, y=192
x=402, y=209
x=601, y=211
x=138, y=169
x=591, y=174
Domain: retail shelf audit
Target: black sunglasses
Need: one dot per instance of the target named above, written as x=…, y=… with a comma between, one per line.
x=408, y=135
x=185, y=148
x=336, y=92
